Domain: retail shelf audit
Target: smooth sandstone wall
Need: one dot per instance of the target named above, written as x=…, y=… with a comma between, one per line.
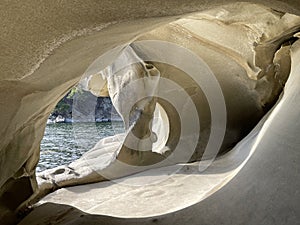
x=265, y=191
x=45, y=48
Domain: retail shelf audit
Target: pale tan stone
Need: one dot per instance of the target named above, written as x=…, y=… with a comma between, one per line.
x=46, y=47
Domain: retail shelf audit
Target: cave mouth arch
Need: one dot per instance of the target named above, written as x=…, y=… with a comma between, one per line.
x=231, y=168
x=30, y=90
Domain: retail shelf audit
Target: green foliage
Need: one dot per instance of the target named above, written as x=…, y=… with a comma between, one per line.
x=62, y=108
x=73, y=91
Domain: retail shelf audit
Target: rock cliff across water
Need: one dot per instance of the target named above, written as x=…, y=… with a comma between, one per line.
x=103, y=112
x=243, y=106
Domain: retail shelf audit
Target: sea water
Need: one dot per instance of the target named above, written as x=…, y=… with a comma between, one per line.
x=65, y=142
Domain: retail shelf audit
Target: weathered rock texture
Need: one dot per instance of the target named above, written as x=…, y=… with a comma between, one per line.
x=46, y=47
x=249, y=83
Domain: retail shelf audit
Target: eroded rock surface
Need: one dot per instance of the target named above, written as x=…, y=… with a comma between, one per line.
x=272, y=198
x=250, y=59
x=46, y=47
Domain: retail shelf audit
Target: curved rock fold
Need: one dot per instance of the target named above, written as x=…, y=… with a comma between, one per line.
x=252, y=52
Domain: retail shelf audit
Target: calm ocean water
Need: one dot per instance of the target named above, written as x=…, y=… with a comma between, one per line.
x=65, y=142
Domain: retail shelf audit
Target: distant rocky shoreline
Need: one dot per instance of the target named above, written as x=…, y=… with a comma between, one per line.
x=103, y=110
x=60, y=119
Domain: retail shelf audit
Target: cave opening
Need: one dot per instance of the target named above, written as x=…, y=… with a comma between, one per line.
x=66, y=138
x=253, y=51
x=251, y=82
